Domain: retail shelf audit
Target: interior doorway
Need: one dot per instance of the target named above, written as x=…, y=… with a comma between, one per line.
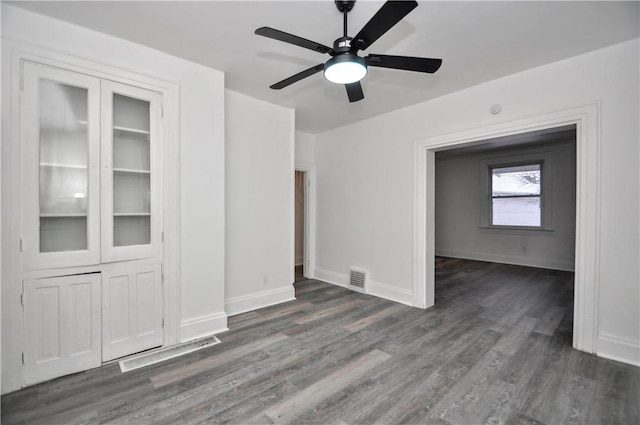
x=509, y=200
x=300, y=218
x=505, y=219
x=587, y=250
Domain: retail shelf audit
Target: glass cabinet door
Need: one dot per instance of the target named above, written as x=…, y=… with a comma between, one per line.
x=60, y=128
x=131, y=171
x=130, y=154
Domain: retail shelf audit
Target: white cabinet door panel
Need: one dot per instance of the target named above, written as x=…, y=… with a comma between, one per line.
x=61, y=326
x=132, y=309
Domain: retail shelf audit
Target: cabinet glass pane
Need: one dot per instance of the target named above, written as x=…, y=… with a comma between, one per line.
x=131, y=171
x=64, y=158
x=131, y=230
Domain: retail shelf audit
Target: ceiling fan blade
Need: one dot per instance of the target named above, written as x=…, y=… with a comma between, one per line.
x=293, y=39
x=389, y=14
x=299, y=76
x=354, y=91
x=406, y=63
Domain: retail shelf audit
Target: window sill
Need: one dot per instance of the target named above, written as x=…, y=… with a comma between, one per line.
x=518, y=230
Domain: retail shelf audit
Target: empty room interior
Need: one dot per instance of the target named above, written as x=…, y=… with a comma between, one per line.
x=324, y=212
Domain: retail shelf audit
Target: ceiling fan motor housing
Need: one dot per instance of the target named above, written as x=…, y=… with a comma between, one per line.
x=342, y=45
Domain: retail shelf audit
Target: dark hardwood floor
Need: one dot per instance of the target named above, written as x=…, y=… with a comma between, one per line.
x=496, y=349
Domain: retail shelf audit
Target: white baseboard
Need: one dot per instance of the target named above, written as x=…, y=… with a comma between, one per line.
x=203, y=326
x=619, y=349
x=377, y=289
x=334, y=278
x=402, y=296
x=518, y=260
x=242, y=304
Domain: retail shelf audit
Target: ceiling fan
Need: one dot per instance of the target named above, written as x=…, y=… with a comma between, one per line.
x=345, y=66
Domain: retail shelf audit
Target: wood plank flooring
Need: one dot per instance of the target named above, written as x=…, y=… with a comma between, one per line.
x=496, y=349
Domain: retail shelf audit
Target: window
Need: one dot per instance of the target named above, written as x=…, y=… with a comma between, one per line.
x=516, y=196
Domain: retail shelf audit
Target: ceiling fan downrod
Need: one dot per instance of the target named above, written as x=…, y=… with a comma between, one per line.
x=343, y=44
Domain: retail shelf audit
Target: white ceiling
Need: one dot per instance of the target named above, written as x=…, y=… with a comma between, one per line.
x=478, y=41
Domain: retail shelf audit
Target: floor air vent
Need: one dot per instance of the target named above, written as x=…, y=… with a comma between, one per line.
x=163, y=354
x=358, y=280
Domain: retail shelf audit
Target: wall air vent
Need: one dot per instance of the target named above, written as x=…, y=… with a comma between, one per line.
x=358, y=280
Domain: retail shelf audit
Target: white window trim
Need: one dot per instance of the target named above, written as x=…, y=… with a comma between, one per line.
x=546, y=194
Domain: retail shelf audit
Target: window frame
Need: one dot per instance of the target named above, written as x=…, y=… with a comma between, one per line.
x=487, y=165
x=540, y=195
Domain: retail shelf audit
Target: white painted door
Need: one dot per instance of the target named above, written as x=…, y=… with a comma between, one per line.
x=131, y=178
x=60, y=184
x=132, y=310
x=61, y=326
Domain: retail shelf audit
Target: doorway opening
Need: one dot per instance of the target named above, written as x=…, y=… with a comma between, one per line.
x=586, y=120
x=505, y=220
x=300, y=218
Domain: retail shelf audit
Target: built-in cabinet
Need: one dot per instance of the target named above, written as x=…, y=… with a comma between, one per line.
x=91, y=193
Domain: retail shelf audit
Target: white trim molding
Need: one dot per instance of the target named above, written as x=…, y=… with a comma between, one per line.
x=519, y=260
x=586, y=118
x=309, y=217
x=391, y=293
x=620, y=349
x=203, y=326
x=377, y=289
x=244, y=303
x=339, y=279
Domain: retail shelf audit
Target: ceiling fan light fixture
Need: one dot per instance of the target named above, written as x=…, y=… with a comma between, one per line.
x=345, y=69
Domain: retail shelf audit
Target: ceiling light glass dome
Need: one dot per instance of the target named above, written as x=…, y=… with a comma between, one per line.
x=345, y=69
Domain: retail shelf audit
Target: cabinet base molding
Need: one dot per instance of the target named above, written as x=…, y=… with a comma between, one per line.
x=203, y=326
x=242, y=304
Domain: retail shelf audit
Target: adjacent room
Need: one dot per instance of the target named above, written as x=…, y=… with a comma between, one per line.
x=347, y=212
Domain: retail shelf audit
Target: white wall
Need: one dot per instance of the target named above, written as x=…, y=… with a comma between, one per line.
x=259, y=203
x=458, y=206
x=305, y=147
x=202, y=164
x=365, y=178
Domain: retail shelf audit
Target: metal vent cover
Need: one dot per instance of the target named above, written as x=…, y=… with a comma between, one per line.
x=158, y=356
x=357, y=279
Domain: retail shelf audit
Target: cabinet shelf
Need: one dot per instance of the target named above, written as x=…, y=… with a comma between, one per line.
x=57, y=165
x=63, y=215
x=130, y=171
x=130, y=130
x=132, y=214
x=78, y=125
